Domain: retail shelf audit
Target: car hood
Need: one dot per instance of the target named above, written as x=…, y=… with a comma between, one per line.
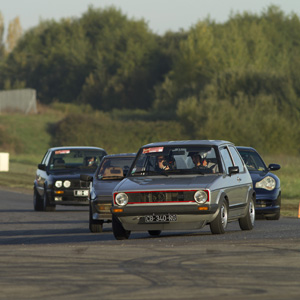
x=165, y=183
x=70, y=174
x=104, y=187
x=258, y=176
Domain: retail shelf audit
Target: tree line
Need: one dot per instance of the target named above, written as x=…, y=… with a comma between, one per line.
x=238, y=80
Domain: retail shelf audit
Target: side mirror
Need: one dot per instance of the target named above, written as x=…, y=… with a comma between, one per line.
x=85, y=177
x=273, y=167
x=42, y=167
x=233, y=170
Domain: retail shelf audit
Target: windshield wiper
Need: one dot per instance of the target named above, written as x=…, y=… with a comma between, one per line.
x=145, y=173
x=71, y=167
x=112, y=177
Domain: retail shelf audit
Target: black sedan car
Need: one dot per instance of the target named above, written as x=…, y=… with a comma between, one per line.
x=111, y=171
x=57, y=179
x=265, y=183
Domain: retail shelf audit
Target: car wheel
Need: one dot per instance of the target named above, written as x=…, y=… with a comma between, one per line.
x=46, y=205
x=218, y=225
x=154, y=232
x=94, y=225
x=277, y=215
x=119, y=231
x=37, y=201
x=247, y=222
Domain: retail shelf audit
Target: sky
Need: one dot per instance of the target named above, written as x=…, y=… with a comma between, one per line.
x=161, y=15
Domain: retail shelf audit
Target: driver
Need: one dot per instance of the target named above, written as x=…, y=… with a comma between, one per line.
x=90, y=161
x=162, y=163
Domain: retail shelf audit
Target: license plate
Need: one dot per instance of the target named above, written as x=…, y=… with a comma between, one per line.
x=81, y=193
x=166, y=218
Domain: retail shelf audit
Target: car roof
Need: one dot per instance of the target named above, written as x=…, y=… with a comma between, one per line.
x=75, y=147
x=118, y=155
x=246, y=148
x=189, y=143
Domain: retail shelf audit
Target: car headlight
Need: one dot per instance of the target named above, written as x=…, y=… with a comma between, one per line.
x=200, y=197
x=268, y=183
x=67, y=183
x=121, y=199
x=58, y=184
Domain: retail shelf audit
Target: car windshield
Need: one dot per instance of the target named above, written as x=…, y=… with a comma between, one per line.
x=114, y=167
x=157, y=161
x=76, y=159
x=253, y=161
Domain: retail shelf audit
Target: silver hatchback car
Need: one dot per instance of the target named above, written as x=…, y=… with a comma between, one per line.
x=184, y=185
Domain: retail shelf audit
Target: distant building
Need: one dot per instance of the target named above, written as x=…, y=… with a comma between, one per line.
x=23, y=100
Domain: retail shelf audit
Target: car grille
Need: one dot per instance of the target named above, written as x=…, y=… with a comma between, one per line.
x=265, y=203
x=162, y=196
x=79, y=184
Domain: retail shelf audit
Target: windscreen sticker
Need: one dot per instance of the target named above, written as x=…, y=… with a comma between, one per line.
x=153, y=150
x=62, y=152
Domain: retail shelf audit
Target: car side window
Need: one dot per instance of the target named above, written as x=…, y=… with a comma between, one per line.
x=227, y=161
x=237, y=159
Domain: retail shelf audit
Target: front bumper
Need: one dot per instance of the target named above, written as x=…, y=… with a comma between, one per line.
x=101, y=211
x=266, y=206
x=67, y=198
x=188, y=216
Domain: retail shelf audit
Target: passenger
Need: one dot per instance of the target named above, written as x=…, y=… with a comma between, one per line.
x=162, y=163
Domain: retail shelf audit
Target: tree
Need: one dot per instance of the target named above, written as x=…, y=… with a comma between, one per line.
x=1, y=36
x=14, y=33
x=124, y=62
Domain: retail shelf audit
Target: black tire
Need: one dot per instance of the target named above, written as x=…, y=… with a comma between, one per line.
x=46, y=205
x=247, y=222
x=277, y=215
x=37, y=201
x=94, y=225
x=154, y=232
x=119, y=231
x=219, y=224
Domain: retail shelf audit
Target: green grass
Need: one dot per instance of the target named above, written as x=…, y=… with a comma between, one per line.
x=30, y=131
x=20, y=175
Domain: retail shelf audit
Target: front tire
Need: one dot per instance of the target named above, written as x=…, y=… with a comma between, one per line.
x=247, y=222
x=119, y=231
x=154, y=232
x=94, y=225
x=277, y=215
x=46, y=205
x=37, y=201
x=219, y=224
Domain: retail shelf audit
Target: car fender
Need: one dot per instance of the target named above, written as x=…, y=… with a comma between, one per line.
x=251, y=194
x=221, y=195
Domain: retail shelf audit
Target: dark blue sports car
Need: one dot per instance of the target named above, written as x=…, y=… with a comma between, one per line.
x=265, y=183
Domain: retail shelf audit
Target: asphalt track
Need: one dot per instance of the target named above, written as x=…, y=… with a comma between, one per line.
x=52, y=255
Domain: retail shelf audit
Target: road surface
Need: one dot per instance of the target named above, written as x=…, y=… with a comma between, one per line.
x=52, y=255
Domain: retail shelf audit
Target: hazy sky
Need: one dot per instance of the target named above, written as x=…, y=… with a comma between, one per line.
x=161, y=15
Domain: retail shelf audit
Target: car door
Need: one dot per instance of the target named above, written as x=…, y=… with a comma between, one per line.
x=237, y=185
